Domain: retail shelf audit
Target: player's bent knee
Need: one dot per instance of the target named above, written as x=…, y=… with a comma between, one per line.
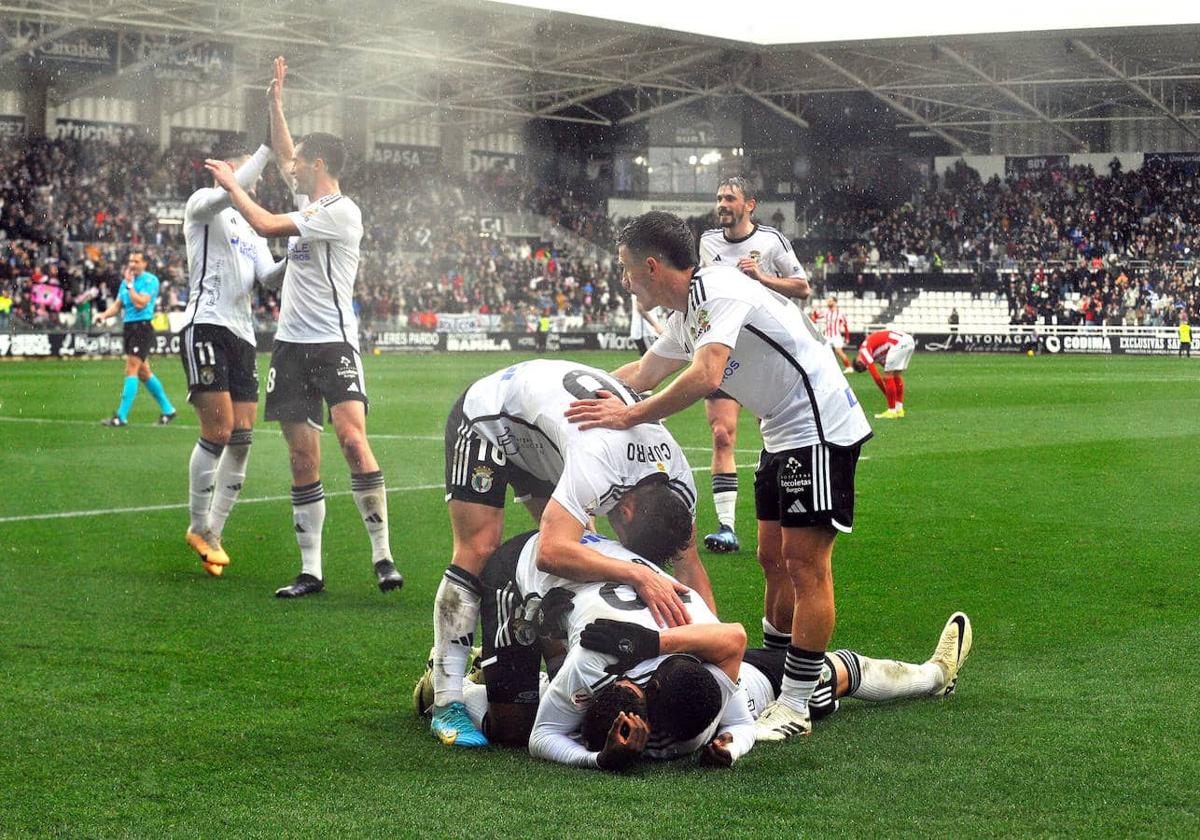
x=722, y=437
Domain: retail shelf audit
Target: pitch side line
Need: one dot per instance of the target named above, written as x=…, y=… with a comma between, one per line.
x=261, y=430
x=79, y=514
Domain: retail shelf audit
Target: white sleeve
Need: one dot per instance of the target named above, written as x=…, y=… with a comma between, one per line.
x=207, y=202
x=327, y=219
x=720, y=319
x=784, y=261
x=585, y=480
x=705, y=255
x=267, y=271
x=670, y=344
x=737, y=721
x=558, y=718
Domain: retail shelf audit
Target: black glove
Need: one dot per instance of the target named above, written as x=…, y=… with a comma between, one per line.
x=629, y=643
x=551, y=615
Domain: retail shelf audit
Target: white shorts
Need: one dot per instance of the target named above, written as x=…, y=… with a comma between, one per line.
x=837, y=342
x=900, y=355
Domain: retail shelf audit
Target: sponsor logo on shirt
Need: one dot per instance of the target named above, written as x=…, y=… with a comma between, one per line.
x=792, y=478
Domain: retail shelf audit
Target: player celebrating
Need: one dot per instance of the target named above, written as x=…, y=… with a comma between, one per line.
x=316, y=355
x=764, y=254
x=894, y=348
x=137, y=297
x=836, y=328
x=761, y=350
x=225, y=257
x=510, y=428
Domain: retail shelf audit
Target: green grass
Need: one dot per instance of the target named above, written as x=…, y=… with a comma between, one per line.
x=1053, y=499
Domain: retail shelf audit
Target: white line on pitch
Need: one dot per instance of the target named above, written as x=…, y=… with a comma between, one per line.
x=267, y=430
x=76, y=514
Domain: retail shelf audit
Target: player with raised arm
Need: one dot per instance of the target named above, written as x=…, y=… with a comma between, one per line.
x=225, y=258
x=316, y=357
x=763, y=254
x=836, y=328
x=895, y=350
x=510, y=428
x=752, y=343
x=136, y=299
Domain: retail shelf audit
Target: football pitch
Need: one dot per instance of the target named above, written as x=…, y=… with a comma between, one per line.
x=1053, y=499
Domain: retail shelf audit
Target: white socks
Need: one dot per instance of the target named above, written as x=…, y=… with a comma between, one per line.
x=308, y=520
x=231, y=473
x=725, y=490
x=455, y=612
x=371, y=498
x=201, y=471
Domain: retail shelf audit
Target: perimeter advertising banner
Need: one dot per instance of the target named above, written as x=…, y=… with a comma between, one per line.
x=1034, y=164
x=209, y=139
x=401, y=156
x=11, y=126
x=70, y=129
x=86, y=49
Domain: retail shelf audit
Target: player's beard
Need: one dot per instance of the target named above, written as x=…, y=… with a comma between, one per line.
x=727, y=220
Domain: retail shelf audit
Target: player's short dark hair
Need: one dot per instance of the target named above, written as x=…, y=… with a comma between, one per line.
x=682, y=698
x=661, y=235
x=606, y=704
x=859, y=365
x=743, y=184
x=326, y=147
x=661, y=526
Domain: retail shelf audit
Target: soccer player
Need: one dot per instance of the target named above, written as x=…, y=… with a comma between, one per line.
x=763, y=254
x=836, y=329
x=136, y=298
x=895, y=349
x=846, y=673
x=752, y=343
x=217, y=346
x=644, y=327
x=316, y=354
x=510, y=428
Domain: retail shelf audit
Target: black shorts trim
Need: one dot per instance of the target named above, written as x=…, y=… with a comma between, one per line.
x=216, y=360
x=138, y=338
x=303, y=375
x=512, y=655
x=807, y=487
x=478, y=471
x=720, y=395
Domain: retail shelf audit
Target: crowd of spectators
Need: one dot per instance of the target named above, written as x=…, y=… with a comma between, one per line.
x=70, y=210
x=1105, y=295
x=1150, y=214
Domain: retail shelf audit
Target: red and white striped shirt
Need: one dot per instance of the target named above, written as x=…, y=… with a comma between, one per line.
x=833, y=323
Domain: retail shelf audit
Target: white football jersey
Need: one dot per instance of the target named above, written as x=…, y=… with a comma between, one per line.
x=318, y=290
x=779, y=366
x=225, y=255
x=765, y=245
x=520, y=410
x=583, y=673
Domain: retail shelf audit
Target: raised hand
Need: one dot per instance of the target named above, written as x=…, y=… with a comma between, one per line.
x=222, y=172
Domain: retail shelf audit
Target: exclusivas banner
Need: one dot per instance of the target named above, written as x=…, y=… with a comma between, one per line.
x=1118, y=345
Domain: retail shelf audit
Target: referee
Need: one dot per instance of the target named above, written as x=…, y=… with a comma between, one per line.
x=137, y=298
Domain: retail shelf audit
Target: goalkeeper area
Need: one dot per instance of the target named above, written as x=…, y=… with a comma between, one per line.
x=1053, y=499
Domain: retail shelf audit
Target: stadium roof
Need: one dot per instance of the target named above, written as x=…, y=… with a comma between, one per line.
x=454, y=57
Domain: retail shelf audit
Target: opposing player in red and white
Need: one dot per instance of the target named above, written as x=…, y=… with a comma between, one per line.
x=894, y=349
x=836, y=328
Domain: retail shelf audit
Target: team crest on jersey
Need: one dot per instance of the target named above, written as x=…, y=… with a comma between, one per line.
x=310, y=212
x=207, y=375
x=702, y=324
x=756, y=256
x=481, y=479
x=581, y=698
x=792, y=478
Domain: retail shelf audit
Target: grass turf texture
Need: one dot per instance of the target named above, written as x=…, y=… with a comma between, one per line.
x=1053, y=499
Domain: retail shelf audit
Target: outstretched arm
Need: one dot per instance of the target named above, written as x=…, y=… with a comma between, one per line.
x=281, y=138
x=702, y=377
x=264, y=222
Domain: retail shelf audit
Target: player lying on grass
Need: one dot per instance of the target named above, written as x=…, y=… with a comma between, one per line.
x=894, y=349
x=846, y=673
x=617, y=724
x=509, y=428
x=525, y=605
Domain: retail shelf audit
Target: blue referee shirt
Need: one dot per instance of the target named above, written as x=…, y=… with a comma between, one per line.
x=144, y=284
